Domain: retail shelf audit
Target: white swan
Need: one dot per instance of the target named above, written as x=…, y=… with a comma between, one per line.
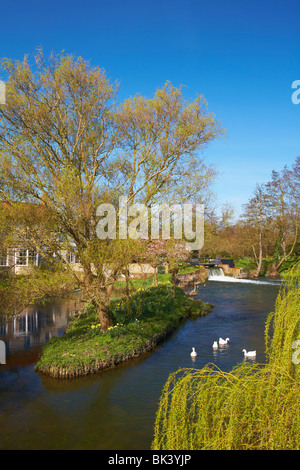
x=223, y=341
x=193, y=353
x=249, y=353
x=215, y=345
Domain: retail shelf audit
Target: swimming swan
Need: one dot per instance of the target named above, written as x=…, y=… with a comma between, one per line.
x=215, y=345
x=249, y=353
x=223, y=341
x=193, y=353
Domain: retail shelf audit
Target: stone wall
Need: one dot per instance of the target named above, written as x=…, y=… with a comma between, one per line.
x=234, y=272
x=190, y=279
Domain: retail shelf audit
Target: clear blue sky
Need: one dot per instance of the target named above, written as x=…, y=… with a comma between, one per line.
x=241, y=55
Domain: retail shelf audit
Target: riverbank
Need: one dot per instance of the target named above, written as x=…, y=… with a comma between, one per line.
x=139, y=325
x=253, y=406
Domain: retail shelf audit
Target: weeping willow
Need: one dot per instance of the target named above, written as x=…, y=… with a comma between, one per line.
x=252, y=407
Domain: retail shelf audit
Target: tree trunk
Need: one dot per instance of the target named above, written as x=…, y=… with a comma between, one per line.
x=286, y=255
x=174, y=280
x=273, y=272
x=259, y=264
x=127, y=290
x=102, y=306
x=255, y=257
x=155, y=276
x=104, y=317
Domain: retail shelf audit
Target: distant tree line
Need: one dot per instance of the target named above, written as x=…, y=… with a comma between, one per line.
x=268, y=226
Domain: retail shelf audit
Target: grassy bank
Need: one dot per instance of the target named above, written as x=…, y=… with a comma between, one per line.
x=251, y=407
x=139, y=325
x=249, y=266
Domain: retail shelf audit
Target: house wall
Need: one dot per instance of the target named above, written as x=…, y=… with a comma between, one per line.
x=135, y=269
x=144, y=268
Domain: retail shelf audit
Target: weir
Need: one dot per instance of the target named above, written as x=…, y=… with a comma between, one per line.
x=217, y=274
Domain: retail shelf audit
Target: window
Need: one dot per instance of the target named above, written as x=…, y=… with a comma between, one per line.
x=3, y=258
x=72, y=257
x=21, y=258
x=32, y=258
x=26, y=258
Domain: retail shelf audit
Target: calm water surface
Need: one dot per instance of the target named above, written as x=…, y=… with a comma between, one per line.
x=115, y=409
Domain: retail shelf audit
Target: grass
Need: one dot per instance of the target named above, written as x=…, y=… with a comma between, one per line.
x=163, y=279
x=139, y=325
x=251, y=407
x=248, y=264
x=287, y=266
x=135, y=284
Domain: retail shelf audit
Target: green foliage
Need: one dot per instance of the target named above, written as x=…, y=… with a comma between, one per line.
x=145, y=283
x=138, y=324
x=246, y=263
x=289, y=265
x=251, y=407
x=17, y=292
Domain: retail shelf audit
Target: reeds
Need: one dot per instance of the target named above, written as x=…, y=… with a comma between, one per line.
x=252, y=407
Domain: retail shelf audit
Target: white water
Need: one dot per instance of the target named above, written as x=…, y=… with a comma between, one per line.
x=217, y=274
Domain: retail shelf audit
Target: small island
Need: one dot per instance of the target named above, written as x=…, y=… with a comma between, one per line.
x=139, y=324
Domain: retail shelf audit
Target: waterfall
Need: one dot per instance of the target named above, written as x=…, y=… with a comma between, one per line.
x=217, y=274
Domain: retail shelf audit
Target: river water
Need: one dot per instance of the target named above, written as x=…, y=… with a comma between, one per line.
x=115, y=409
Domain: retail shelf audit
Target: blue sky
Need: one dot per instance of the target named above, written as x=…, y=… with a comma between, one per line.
x=242, y=56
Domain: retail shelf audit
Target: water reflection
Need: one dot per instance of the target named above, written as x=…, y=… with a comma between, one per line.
x=37, y=324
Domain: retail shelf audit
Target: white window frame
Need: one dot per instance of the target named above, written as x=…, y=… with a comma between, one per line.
x=72, y=257
x=26, y=257
x=6, y=261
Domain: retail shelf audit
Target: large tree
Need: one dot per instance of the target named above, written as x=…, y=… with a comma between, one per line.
x=65, y=144
x=256, y=218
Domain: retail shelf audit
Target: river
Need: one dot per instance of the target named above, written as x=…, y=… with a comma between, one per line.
x=115, y=409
